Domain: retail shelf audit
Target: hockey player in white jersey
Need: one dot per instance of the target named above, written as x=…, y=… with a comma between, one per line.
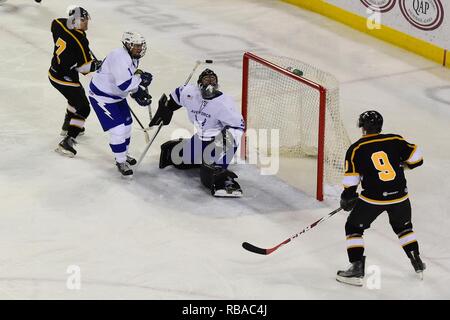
x=119, y=76
x=219, y=128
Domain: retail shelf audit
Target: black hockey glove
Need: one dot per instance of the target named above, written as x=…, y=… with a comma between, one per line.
x=142, y=97
x=163, y=114
x=146, y=77
x=95, y=65
x=349, y=197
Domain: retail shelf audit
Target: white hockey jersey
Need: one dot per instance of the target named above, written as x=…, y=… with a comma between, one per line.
x=115, y=79
x=210, y=116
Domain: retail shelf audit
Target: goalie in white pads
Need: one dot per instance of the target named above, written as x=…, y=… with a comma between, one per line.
x=219, y=128
x=119, y=76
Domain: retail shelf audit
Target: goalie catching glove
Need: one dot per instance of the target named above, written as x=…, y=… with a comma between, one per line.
x=164, y=114
x=142, y=97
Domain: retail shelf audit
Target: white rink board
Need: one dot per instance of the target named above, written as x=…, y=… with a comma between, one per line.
x=424, y=19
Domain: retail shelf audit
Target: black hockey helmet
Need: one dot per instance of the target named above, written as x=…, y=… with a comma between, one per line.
x=208, y=83
x=206, y=72
x=371, y=121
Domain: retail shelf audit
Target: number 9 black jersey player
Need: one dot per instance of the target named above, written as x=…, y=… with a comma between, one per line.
x=377, y=161
x=71, y=55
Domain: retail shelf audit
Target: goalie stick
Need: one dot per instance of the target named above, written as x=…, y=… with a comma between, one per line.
x=250, y=247
x=146, y=136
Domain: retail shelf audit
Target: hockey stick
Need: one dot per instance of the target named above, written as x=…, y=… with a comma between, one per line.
x=197, y=63
x=93, y=55
x=255, y=249
x=147, y=138
x=147, y=147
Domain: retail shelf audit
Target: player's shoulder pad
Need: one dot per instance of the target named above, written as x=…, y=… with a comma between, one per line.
x=56, y=23
x=187, y=90
x=61, y=20
x=353, y=146
x=393, y=135
x=119, y=55
x=224, y=99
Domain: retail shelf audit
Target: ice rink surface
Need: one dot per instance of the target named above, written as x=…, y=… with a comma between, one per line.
x=161, y=235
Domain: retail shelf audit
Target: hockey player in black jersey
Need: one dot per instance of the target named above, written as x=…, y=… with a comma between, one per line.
x=377, y=161
x=71, y=55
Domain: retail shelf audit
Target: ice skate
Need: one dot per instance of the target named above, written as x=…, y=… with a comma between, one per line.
x=65, y=147
x=64, y=132
x=124, y=169
x=131, y=161
x=354, y=275
x=417, y=263
x=230, y=189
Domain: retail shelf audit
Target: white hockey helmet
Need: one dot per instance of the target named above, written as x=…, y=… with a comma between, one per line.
x=75, y=16
x=135, y=44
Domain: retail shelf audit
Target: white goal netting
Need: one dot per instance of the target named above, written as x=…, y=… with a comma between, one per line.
x=276, y=101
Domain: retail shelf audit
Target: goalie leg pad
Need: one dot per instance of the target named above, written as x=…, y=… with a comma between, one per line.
x=220, y=181
x=165, y=158
x=176, y=157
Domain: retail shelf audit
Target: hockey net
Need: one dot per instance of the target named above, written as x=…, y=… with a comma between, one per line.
x=305, y=110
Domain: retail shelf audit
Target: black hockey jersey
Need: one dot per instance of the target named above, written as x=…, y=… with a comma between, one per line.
x=377, y=161
x=71, y=51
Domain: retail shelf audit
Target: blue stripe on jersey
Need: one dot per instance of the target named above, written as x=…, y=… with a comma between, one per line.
x=117, y=148
x=100, y=93
x=238, y=128
x=177, y=92
x=125, y=85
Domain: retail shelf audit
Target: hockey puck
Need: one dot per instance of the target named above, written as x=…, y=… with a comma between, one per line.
x=38, y=1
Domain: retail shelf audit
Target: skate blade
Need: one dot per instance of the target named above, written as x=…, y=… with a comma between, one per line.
x=128, y=177
x=420, y=274
x=64, y=152
x=351, y=281
x=227, y=194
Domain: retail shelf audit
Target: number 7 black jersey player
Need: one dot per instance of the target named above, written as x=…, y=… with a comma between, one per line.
x=377, y=161
x=71, y=55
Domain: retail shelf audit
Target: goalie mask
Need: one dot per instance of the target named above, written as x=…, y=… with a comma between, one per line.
x=208, y=84
x=78, y=18
x=371, y=121
x=135, y=44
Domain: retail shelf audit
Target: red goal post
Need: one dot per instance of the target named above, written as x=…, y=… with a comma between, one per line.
x=273, y=97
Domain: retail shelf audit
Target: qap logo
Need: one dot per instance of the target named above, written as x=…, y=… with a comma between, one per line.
x=379, y=5
x=423, y=14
